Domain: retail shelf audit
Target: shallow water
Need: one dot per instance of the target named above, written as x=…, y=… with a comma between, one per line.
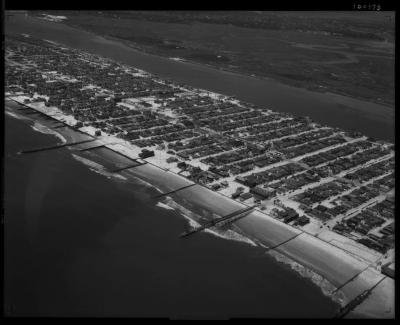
x=94, y=275
x=79, y=243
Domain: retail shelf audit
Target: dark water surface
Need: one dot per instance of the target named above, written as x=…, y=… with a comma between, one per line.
x=80, y=244
x=334, y=110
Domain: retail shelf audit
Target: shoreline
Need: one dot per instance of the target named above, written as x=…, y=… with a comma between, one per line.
x=351, y=106
x=266, y=217
x=139, y=49
x=314, y=253
x=128, y=150
x=314, y=92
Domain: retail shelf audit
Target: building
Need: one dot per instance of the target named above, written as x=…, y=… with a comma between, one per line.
x=146, y=153
x=388, y=269
x=303, y=220
x=245, y=196
x=292, y=215
x=172, y=159
x=261, y=192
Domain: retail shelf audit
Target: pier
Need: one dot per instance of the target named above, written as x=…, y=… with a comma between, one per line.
x=174, y=191
x=220, y=221
x=56, y=146
x=356, y=301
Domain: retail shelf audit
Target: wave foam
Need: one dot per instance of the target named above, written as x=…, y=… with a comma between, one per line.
x=38, y=127
x=168, y=203
x=97, y=168
x=164, y=206
x=45, y=130
x=145, y=183
x=326, y=287
x=16, y=116
x=193, y=218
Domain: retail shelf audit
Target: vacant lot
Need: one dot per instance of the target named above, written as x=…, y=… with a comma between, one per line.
x=349, y=53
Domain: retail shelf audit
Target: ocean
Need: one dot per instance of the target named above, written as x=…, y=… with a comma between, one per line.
x=80, y=242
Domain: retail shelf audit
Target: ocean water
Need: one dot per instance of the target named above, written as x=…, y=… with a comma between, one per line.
x=82, y=242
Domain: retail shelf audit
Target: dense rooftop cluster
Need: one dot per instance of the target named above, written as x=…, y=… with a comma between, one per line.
x=304, y=170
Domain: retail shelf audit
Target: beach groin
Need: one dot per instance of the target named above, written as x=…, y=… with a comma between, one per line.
x=174, y=191
x=331, y=262
x=56, y=146
x=356, y=301
x=220, y=221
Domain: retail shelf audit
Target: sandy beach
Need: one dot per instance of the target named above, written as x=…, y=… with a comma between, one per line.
x=332, y=262
x=381, y=299
x=329, y=262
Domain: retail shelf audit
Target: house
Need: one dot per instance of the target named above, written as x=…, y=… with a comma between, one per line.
x=224, y=184
x=261, y=192
x=172, y=159
x=236, y=195
x=182, y=165
x=146, y=153
x=250, y=181
x=388, y=269
x=292, y=215
x=303, y=220
x=245, y=196
x=216, y=187
x=183, y=155
x=240, y=179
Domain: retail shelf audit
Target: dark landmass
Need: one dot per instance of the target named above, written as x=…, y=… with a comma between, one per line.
x=349, y=53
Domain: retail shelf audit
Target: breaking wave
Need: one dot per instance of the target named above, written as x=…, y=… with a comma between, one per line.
x=16, y=116
x=45, y=130
x=97, y=168
x=326, y=287
x=52, y=42
x=193, y=218
x=145, y=183
x=164, y=206
x=36, y=125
